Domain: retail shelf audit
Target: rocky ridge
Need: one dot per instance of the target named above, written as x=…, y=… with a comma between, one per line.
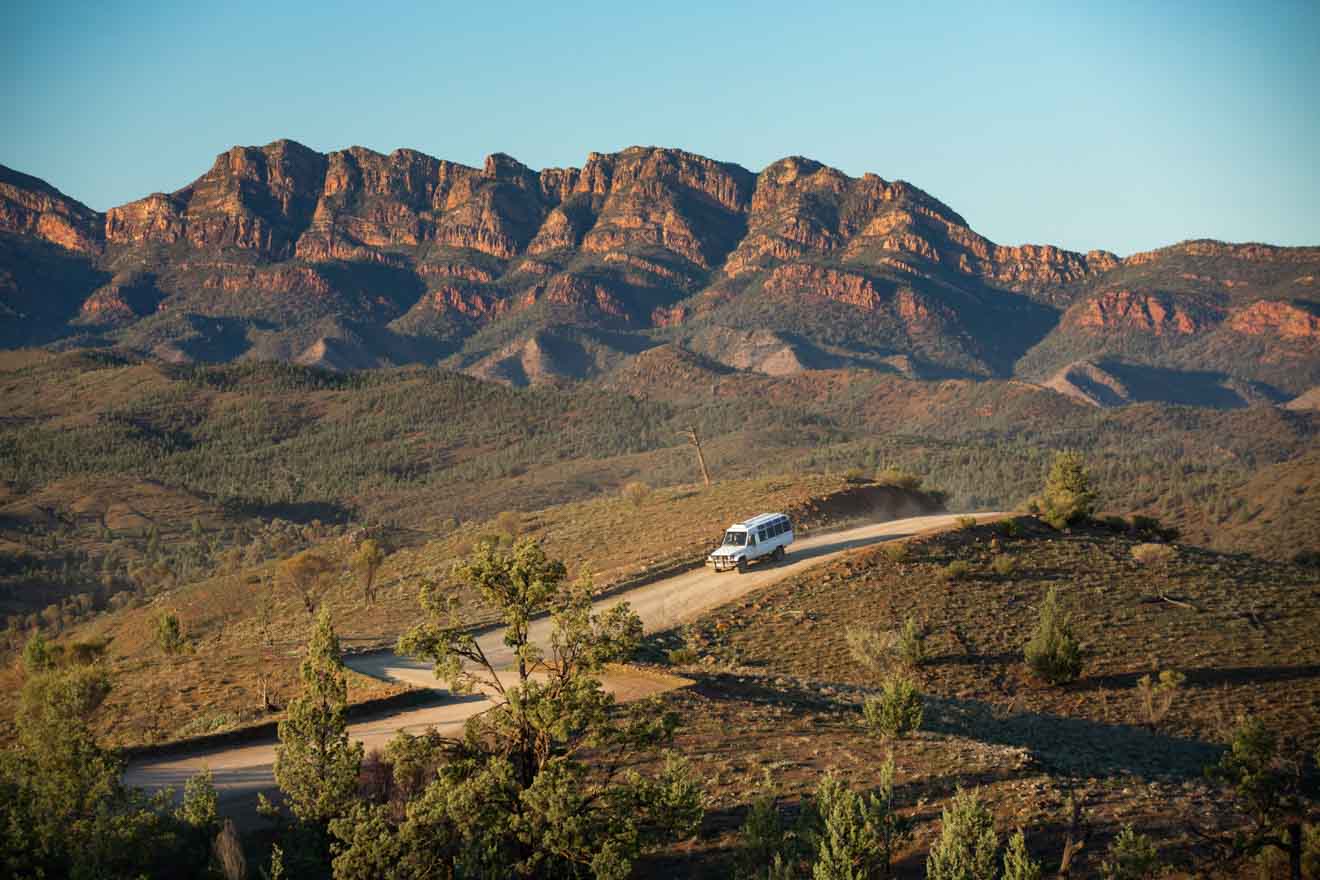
x=794, y=268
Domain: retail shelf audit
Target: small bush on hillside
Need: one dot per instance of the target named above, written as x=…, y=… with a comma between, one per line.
x=1131, y=856
x=1003, y=564
x=896, y=551
x=1155, y=695
x=1053, y=653
x=896, y=711
x=681, y=656
x=39, y=655
x=911, y=642
x=899, y=479
x=966, y=522
x=958, y=570
x=967, y=848
x=1009, y=528
x=1154, y=555
x=872, y=649
x=1068, y=497
x=169, y=632
x=636, y=493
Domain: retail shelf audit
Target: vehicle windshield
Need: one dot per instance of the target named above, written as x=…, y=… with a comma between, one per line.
x=735, y=539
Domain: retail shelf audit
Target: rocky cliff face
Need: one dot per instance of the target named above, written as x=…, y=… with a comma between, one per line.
x=430, y=259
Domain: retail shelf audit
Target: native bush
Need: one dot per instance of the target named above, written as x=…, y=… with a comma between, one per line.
x=1131, y=856
x=896, y=711
x=967, y=848
x=1068, y=496
x=1053, y=652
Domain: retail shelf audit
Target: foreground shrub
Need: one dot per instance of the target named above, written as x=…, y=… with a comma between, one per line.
x=896, y=711
x=1053, y=653
x=517, y=797
x=1003, y=564
x=1153, y=555
x=967, y=848
x=1018, y=863
x=1131, y=856
x=856, y=835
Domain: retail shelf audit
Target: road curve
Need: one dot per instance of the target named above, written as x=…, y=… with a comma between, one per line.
x=241, y=772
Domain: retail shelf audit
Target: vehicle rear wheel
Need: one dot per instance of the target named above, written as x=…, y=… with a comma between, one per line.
x=779, y=553
x=742, y=566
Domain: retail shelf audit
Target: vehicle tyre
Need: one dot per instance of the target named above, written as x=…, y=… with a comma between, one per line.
x=742, y=566
x=779, y=553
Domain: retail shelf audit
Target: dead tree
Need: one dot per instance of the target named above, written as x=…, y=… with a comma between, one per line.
x=695, y=440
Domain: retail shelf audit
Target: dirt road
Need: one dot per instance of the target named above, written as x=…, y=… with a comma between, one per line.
x=241, y=772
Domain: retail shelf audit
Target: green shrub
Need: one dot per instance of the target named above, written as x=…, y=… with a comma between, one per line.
x=39, y=655
x=169, y=632
x=1009, y=528
x=1018, y=863
x=1131, y=856
x=1003, y=564
x=967, y=848
x=896, y=551
x=681, y=656
x=966, y=522
x=911, y=642
x=957, y=570
x=896, y=711
x=1053, y=653
x=899, y=479
x=1068, y=497
x=855, y=835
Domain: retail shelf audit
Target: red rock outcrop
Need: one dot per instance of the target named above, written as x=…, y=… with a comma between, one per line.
x=1281, y=319
x=1158, y=314
x=32, y=207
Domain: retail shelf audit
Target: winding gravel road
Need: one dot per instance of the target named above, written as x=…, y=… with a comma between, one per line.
x=241, y=772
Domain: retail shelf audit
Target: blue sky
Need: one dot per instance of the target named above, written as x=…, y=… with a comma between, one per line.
x=1126, y=126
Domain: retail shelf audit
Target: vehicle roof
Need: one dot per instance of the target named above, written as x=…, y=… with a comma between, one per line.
x=759, y=520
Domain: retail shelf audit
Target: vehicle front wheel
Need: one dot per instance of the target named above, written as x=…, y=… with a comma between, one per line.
x=742, y=566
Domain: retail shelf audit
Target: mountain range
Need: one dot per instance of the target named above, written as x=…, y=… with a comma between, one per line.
x=354, y=259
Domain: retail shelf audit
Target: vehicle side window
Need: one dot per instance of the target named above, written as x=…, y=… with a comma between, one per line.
x=779, y=528
x=761, y=534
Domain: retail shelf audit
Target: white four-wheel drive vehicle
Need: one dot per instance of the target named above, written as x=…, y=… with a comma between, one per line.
x=757, y=538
